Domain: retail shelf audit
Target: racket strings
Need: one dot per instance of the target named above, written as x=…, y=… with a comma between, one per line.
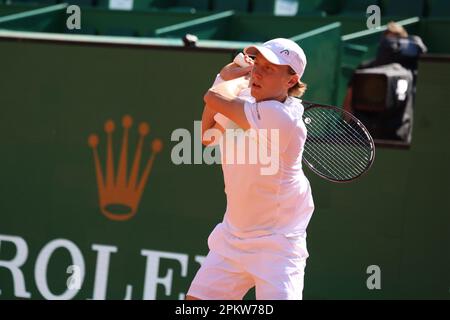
x=325, y=164
x=340, y=156
x=336, y=145
x=337, y=168
x=323, y=157
x=329, y=158
x=353, y=135
x=351, y=128
x=341, y=138
x=346, y=125
x=335, y=137
x=323, y=147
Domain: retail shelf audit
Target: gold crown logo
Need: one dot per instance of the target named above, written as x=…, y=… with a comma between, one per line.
x=119, y=195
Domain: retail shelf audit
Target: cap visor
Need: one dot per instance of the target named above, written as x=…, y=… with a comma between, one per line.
x=267, y=53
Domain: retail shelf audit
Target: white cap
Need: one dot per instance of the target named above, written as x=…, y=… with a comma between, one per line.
x=281, y=51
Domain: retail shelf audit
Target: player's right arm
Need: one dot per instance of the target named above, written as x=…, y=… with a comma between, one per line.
x=208, y=123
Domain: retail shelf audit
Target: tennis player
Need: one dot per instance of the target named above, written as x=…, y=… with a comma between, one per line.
x=261, y=241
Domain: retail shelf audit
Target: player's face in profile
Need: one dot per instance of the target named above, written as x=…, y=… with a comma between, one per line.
x=268, y=81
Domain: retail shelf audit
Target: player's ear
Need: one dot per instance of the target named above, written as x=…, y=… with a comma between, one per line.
x=293, y=80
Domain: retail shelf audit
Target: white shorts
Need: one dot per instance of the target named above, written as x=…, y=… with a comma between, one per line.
x=274, y=264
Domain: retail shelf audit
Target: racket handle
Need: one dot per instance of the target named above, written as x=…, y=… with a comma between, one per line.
x=240, y=60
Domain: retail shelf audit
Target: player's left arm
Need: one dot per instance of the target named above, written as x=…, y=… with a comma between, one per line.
x=223, y=99
x=232, y=108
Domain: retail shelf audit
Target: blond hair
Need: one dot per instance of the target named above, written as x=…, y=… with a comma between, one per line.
x=298, y=89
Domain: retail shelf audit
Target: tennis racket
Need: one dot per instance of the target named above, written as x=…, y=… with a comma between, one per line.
x=338, y=146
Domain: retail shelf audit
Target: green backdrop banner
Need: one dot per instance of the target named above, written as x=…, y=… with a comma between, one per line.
x=69, y=111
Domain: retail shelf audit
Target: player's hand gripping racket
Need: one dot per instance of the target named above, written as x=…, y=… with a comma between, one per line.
x=338, y=146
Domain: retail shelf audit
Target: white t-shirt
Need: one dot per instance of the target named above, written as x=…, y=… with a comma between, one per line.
x=262, y=204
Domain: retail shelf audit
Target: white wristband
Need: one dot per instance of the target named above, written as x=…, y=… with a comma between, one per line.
x=225, y=122
x=240, y=60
